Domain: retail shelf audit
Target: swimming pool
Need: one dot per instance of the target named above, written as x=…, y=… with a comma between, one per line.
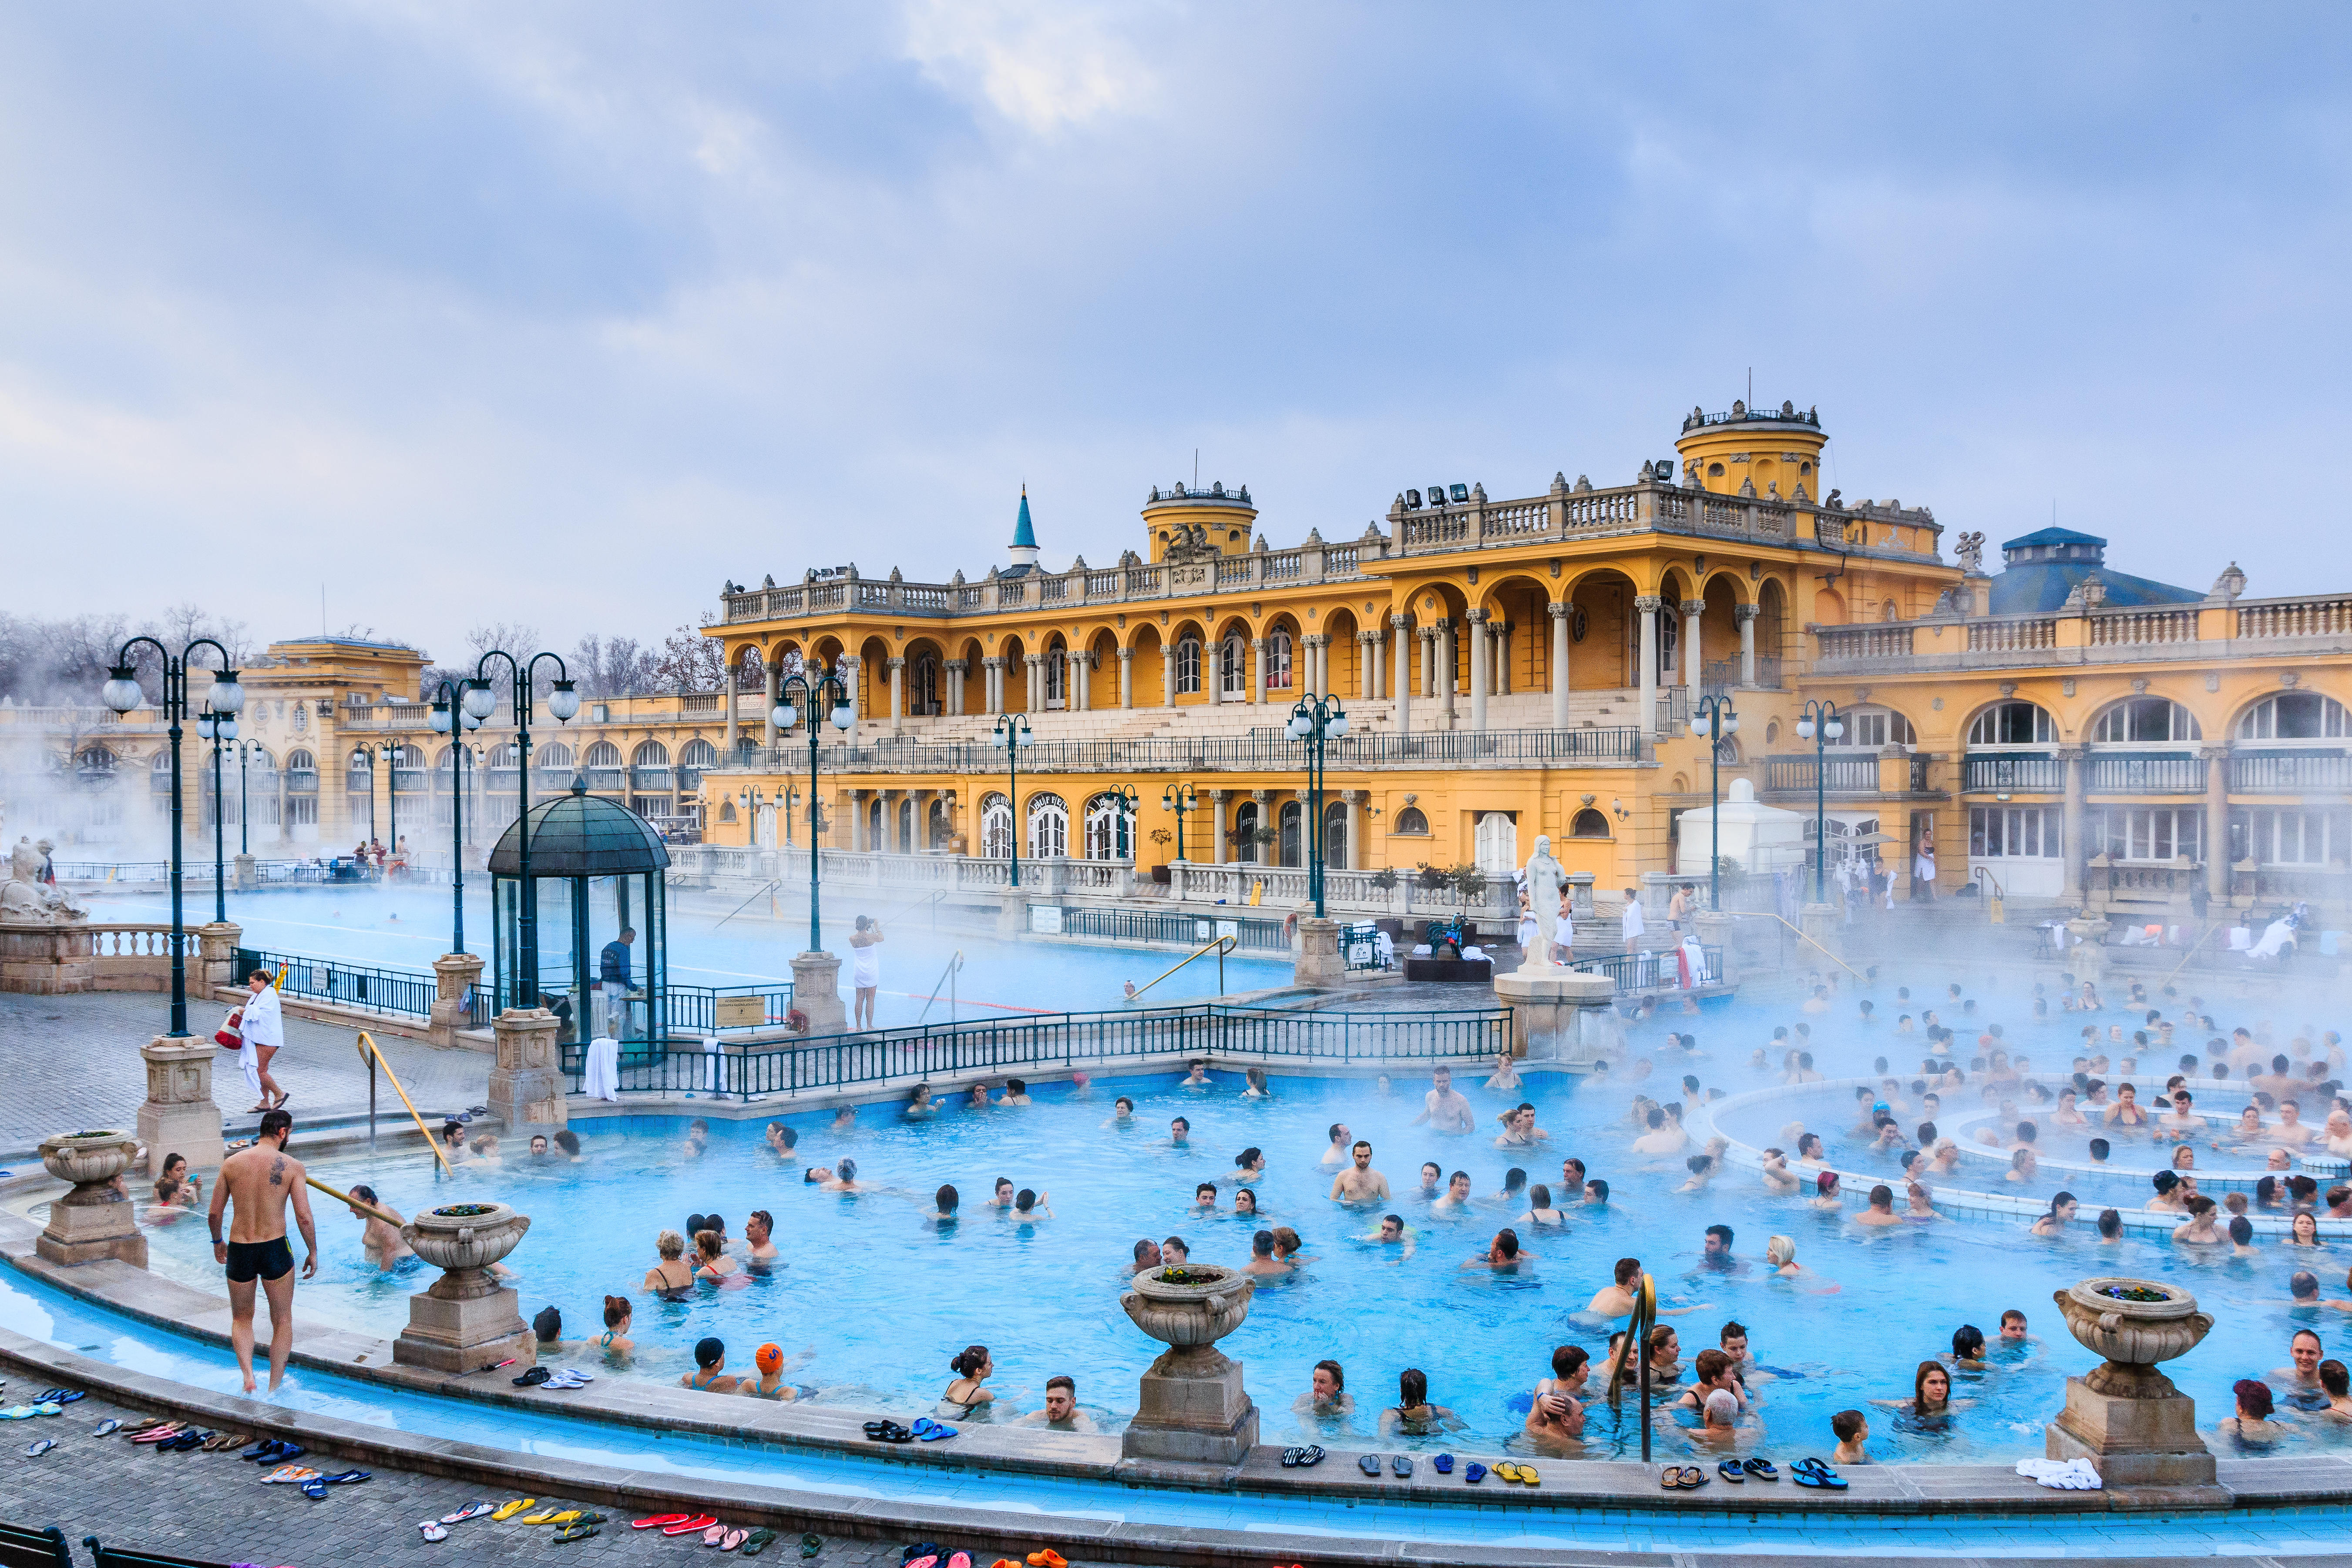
x=885, y=1299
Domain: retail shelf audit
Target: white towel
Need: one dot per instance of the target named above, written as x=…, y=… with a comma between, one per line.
x=2067, y=1475
x=603, y=1078
x=249, y=1060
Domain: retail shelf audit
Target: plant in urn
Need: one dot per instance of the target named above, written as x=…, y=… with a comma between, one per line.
x=1193, y=1419
x=2124, y=1416
x=94, y=1220
x=465, y=1318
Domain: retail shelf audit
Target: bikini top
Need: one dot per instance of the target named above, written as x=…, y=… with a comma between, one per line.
x=756, y=1392
x=702, y=1380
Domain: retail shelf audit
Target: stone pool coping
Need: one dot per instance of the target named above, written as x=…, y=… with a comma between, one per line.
x=1568, y=1484
x=1853, y=1186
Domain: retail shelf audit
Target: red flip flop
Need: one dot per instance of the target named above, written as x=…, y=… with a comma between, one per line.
x=659, y=1519
x=694, y=1524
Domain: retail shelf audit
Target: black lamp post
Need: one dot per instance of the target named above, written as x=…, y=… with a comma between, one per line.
x=1126, y=799
x=1821, y=725
x=784, y=715
x=481, y=701
x=1012, y=733
x=1180, y=799
x=448, y=716
x=122, y=694
x=1713, y=722
x=1318, y=720
x=217, y=728
x=244, y=802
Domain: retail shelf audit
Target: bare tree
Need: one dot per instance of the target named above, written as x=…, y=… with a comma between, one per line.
x=688, y=661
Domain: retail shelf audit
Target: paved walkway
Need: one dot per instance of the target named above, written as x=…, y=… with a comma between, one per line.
x=213, y=1507
x=73, y=1061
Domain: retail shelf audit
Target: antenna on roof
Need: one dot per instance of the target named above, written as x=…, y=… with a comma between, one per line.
x=1196, y=468
x=1751, y=386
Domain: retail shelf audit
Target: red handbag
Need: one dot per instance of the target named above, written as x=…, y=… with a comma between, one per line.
x=227, y=1037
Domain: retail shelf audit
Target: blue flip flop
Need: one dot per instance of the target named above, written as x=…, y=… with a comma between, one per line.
x=1401, y=1465
x=1443, y=1464
x=36, y=1451
x=315, y=1488
x=1762, y=1469
x=347, y=1478
x=1476, y=1473
x=937, y=1430
x=1370, y=1464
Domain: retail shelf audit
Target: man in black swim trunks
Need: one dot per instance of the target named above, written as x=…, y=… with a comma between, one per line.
x=259, y=1180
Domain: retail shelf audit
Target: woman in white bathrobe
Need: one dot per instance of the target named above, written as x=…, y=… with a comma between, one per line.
x=263, y=1025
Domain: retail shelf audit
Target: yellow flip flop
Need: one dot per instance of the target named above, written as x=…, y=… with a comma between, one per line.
x=566, y=1517
x=1528, y=1474
x=1508, y=1470
x=508, y=1510
x=542, y=1517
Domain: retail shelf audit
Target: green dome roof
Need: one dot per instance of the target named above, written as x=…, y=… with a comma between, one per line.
x=580, y=834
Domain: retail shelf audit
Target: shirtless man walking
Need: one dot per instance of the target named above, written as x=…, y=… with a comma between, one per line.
x=259, y=1179
x=1360, y=1183
x=1445, y=1109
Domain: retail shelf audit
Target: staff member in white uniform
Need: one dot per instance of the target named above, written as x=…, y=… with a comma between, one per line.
x=263, y=1028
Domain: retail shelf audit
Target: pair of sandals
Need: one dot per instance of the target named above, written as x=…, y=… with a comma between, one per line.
x=1370, y=1464
x=1810, y=1472
x=889, y=1432
x=27, y=1412
x=270, y=1451
x=59, y=1396
x=930, y=1431
x=1737, y=1472
x=1302, y=1458
x=1512, y=1471
x=191, y=1437
x=927, y=1556
x=1682, y=1479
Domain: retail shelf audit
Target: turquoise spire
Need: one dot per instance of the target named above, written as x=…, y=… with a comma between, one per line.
x=1023, y=536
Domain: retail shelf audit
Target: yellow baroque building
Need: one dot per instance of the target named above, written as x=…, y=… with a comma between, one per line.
x=2052, y=727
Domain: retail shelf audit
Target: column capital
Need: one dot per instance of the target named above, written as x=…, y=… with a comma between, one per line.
x=1649, y=604
x=897, y=662
x=1353, y=796
x=1125, y=654
x=1559, y=609
x=1261, y=795
x=1694, y=607
x=993, y=661
x=1478, y=614
x=1747, y=612
x=959, y=666
x=1219, y=796
x=2072, y=754
x=1399, y=621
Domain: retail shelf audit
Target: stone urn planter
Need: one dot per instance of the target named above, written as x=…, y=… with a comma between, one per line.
x=1193, y=1421
x=466, y=1320
x=92, y=1221
x=2125, y=1415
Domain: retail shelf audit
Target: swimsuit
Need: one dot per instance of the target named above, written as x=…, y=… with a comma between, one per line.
x=264, y=1259
x=953, y=1410
x=754, y=1391
x=702, y=1380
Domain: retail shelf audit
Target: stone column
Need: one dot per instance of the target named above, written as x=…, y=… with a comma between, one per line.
x=816, y=990
x=1560, y=664
x=1034, y=697
x=857, y=821
x=988, y=669
x=2071, y=849
x=850, y=665
x=526, y=1078
x=1217, y=826
x=1355, y=858
x=1167, y=675
x=1480, y=648
x=245, y=873
x=955, y=668
x=1747, y=615
x=1403, y=674
x=898, y=665
x=1368, y=666
x=2217, y=824
x=454, y=973
x=1318, y=962
x=180, y=1116
x=770, y=674
x=1257, y=669
x=734, y=684
x=216, y=957
x=1692, y=660
x=1080, y=687
x=1647, y=712
x=1446, y=679
x=1126, y=677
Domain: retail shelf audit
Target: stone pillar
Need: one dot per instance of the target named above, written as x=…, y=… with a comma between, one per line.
x=2217, y=825
x=1502, y=635
x=1480, y=650
x=816, y=990
x=93, y=1221
x=454, y=973
x=1126, y=677
x=1559, y=610
x=898, y=667
x=1718, y=929
x=850, y=665
x=1078, y=691
x=1447, y=676
x=734, y=684
x=2072, y=852
x=180, y=1116
x=857, y=822
x=1033, y=696
x=246, y=874
x=1367, y=668
x=1747, y=615
x=1580, y=897
x=1693, y=655
x=1563, y=1016
x=1257, y=669
x=771, y=675
x=1167, y=675
x=1194, y=1423
x=1404, y=640
x=1821, y=924
x=216, y=958
x=1217, y=826
x=2124, y=1416
x=1318, y=962
x=1646, y=711
x=526, y=1077
x=465, y=1321
x=1356, y=859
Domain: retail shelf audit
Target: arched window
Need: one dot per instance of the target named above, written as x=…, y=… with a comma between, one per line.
x=359, y=773
x=1292, y=824
x=1233, y=669
x=1111, y=831
x=603, y=754
x=1277, y=664
x=698, y=753
x=552, y=755
x=2293, y=716
x=995, y=827
x=1589, y=824
x=1494, y=841
x=1058, y=664
x=2012, y=724
x=1049, y=826
x=650, y=754
x=299, y=762
x=1873, y=728
x=1244, y=836
x=1188, y=666
x=509, y=756
x=2142, y=720
x=1411, y=820
x=726, y=809
x=1335, y=836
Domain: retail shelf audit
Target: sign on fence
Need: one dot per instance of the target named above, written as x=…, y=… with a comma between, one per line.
x=739, y=1012
x=1046, y=920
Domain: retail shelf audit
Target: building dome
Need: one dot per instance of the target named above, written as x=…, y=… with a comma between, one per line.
x=580, y=834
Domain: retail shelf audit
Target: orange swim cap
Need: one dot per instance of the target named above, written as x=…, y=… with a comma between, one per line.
x=769, y=1357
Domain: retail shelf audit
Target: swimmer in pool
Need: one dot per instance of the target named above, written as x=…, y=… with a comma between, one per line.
x=1000, y=1196
x=380, y=1239
x=1457, y=1194
x=1541, y=1214
x=1336, y=1154
x=1433, y=1179
x=845, y=1120
x=1122, y=1112
x=1204, y=1198
x=1881, y=1211
x=1360, y=1184
x=1503, y=1255
x=1178, y=1131
x=919, y=1107
x=1506, y=1074
x=1444, y=1108
x=1393, y=1232
x=1198, y=1078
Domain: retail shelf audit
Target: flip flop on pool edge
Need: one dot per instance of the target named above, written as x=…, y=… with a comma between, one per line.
x=1370, y=1464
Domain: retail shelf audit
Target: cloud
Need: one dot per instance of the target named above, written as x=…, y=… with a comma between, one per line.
x=1046, y=67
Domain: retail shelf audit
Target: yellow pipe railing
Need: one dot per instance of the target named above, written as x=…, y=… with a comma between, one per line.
x=1222, y=946
x=374, y=1058
x=1832, y=957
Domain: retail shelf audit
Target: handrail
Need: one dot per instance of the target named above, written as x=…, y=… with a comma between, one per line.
x=2185, y=957
x=384, y=1214
x=1636, y=1345
x=767, y=887
x=954, y=968
x=375, y=1058
x=1832, y=957
x=1223, y=945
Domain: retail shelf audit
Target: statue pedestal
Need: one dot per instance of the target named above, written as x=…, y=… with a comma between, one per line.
x=816, y=990
x=1721, y=932
x=1194, y=1423
x=1823, y=924
x=45, y=959
x=1318, y=962
x=526, y=1083
x=456, y=975
x=466, y=1320
x=93, y=1221
x=1562, y=1015
x=216, y=957
x=180, y=1116
x=245, y=874
x=2124, y=1416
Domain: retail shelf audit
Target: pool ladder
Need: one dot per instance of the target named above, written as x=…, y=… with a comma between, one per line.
x=1635, y=1346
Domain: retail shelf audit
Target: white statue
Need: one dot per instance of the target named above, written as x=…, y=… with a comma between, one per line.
x=1544, y=879
x=26, y=899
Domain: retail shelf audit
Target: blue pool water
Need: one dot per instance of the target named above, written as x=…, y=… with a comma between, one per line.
x=885, y=1299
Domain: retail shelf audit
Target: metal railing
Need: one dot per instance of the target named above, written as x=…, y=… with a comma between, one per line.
x=1190, y=753
x=2275, y=772
x=695, y=1008
x=989, y=1047
x=1847, y=774
x=1652, y=969
x=2143, y=775
x=402, y=992
x=1255, y=935
x=2030, y=774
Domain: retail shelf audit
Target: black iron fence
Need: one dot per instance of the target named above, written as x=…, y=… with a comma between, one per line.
x=1056, y=1040
x=1257, y=749
x=404, y=992
x=1650, y=969
x=1250, y=935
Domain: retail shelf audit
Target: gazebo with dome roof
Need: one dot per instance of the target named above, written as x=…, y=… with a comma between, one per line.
x=595, y=869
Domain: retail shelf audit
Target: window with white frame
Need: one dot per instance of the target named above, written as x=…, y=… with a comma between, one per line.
x=2294, y=716
x=1111, y=831
x=1188, y=666
x=1873, y=728
x=1232, y=667
x=2146, y=721
x=1277, y=661
x=2290, y=836
x=2012, y=724
x=2011, y=832
x=995, y=827
x=1049, y=826
x=2157, y=832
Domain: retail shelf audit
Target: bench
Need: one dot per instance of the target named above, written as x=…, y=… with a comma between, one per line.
x=22, y=1547
x=110, y=1557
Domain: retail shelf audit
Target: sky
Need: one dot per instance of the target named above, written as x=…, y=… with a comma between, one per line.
x=563, y=314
